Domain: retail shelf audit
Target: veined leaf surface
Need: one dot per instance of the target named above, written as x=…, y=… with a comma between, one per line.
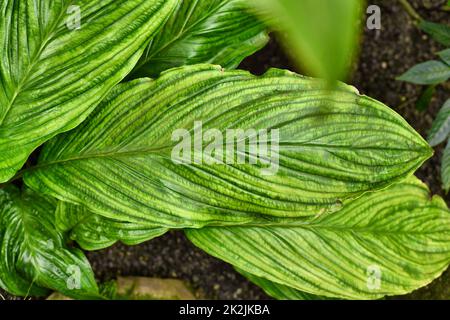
x=58, y=60
x=278, y=291
x=388, y=242
x=94, y=232
x=33, y=254
x=333, y=145
x=215, y=31
x=427, y=73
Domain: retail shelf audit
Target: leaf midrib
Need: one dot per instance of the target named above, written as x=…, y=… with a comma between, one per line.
x=145, y=151
x=335, y=229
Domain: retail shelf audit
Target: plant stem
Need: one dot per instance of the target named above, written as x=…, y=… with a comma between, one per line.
x=411, y=11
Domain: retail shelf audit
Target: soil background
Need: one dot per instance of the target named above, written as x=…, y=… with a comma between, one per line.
x=385, y=54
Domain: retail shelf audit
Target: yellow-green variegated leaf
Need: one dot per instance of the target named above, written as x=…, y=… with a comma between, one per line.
x=214, y=31
x=58, y=60
x=388, y=242
x=278, y=291
x=33, y=254
x=93, y=232
x=123, y=161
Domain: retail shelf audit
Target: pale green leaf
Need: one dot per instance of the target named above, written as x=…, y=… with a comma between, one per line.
x=440, y=129
x=94, y=232
x=215, y=31
x=54, y=70
x=388, y=242
x=278, y=291
x=333, y=145
x=33, y=254
x=427, y=73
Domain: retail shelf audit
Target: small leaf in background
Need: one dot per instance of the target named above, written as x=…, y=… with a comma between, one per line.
x=388, y=242
x=425, y=98
x=278, y=291
x=439, y=32
x=34, y=256
x=445, y=56
x=440, y=129
x=53, y=73
x=445, y=168
x=332, y=145
x=94, y=232
x=323, y=34
x=427, y=73
x=219, y=32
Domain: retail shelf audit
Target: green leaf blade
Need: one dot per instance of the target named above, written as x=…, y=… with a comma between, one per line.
x=278, y=291
x=219, y=32
x=425, y=98
x=445, y=168
x=440, y=128
x=34, y=255
x=53, y=73
x=94, y=232
x=439, y=32
x=427, y=73
x=333, y=145
x=385, y=243
x=445, y=56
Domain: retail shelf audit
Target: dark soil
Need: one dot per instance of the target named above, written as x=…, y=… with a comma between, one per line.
x=385, y=54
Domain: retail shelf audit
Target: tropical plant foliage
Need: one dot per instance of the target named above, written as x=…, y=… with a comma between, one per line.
x=341, y=217
x=96, y=164
x=53, y=76
x=433, y=73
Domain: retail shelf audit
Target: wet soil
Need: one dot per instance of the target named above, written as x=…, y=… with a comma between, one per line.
x=385, y=54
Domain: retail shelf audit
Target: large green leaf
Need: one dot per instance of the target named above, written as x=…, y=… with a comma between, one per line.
x=278, y=291
x=215, y=31
x=33, y=254
x=333, y=145
x=322, y=34
x=53, y=74
x=427, y=73
x=440, y=129
x=385, y=243
x=94, y=232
